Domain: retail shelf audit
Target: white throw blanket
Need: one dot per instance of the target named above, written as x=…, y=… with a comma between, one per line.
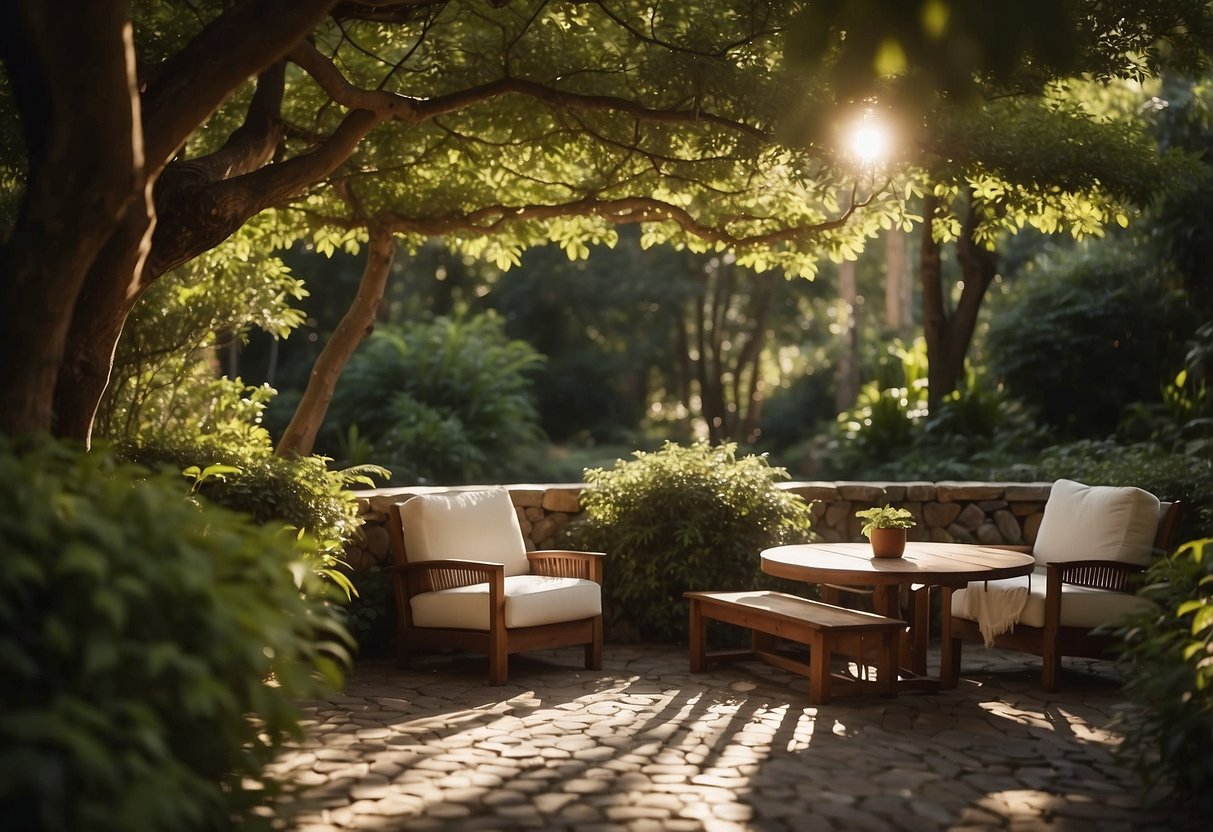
x=995, y=609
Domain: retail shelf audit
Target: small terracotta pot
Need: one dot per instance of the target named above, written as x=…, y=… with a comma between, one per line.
x=888, y=543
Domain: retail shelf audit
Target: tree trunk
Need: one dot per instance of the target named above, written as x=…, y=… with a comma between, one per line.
x=749, y=396
x=358, y=322
x=74, y=83
x=948, y=334
x=846, y=389
x=897, y=294
x=934, y=314
x=213, y=211
x=94, y=149
x=101, y=309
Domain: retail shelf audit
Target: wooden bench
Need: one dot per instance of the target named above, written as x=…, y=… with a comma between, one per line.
x=823, y=628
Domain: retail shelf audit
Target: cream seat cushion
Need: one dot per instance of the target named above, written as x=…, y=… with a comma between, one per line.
x=530, y=600
x=1080, y=606
x=468, y=525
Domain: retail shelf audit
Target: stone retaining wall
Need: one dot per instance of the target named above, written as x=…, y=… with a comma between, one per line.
x=966, y=512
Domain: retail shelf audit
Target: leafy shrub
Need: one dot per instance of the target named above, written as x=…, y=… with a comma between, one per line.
x=683, y=518
x=163, y=383
x=1169, y=476
x=299, y=491
x=140, y=631
x=1183, y=420
x=370, y=616
x=447, y=401
x=890, y=434
x=1110, y=317
x=1169, y=657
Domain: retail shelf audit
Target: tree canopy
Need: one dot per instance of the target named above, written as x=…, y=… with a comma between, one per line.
x=153, y=130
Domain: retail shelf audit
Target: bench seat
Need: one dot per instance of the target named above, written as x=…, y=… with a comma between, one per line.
x=825, y=629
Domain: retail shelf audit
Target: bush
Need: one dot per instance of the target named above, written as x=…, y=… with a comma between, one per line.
x=1110, y=317
x=1169, y=657
x=890, y=434
x=299, y=491
x=683, y=518
x=1169, y=476
x=446, y=401
x=140, y=631
x=370, y=615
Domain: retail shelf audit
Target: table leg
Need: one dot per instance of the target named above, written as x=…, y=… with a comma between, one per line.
x=886, y=600
x=916, y=637
x=920, y=627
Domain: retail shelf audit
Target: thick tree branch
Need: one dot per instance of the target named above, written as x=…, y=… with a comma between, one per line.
x=254, y=142
x=215, y=212
x=249, y=147
x=184, y=90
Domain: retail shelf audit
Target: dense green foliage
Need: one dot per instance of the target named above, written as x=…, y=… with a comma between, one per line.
x=154, y=648
x=1119, y=326
x=683, y=518
x=890, y=433
x=1169, y=660
x=164, y=384
x=1183, y=421
x=445, y=402
x=1169, y=476
x=301, y=492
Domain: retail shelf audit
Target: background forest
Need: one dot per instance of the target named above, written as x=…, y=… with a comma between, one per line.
x=1089, y=359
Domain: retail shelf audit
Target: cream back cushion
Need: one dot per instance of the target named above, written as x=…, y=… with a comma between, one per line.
x=1088, y=522
x=471, y=525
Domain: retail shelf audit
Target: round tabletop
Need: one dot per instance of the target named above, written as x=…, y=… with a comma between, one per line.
x=923, y=563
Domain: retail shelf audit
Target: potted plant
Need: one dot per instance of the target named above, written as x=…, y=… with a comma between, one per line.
x=886, y=528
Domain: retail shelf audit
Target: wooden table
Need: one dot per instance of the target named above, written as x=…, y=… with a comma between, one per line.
x=925, y=565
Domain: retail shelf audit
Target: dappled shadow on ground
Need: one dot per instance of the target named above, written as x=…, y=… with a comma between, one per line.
x=644, y=744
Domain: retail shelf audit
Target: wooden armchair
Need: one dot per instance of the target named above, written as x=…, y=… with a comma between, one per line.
x=1093, y=542
x=464, y=579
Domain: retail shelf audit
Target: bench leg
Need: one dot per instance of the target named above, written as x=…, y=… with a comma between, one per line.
x=819, y=669
x=593, y=650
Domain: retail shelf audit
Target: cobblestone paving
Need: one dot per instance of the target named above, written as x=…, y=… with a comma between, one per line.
x=645, y=745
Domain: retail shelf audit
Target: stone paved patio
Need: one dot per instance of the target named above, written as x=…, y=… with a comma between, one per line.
x=645, y=745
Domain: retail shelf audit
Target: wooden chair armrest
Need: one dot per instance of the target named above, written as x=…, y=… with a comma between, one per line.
x=1115, y=575
x=566, y=563
x=429, y=575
